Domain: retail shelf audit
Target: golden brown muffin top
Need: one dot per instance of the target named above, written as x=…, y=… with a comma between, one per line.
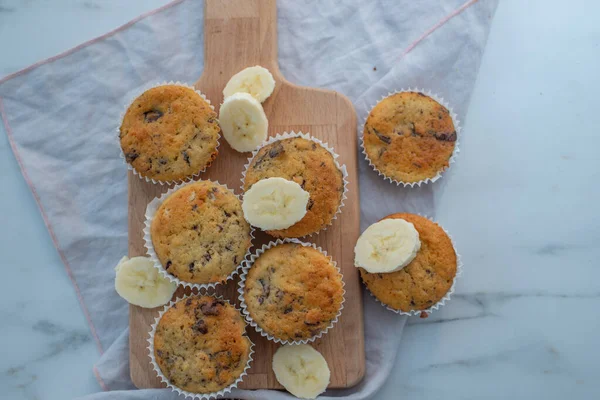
x=313, y=168
x=427, y=278
x=409, y=137
x=169, y=133
x=199, y=233
x=293, y=292
x=200, y=344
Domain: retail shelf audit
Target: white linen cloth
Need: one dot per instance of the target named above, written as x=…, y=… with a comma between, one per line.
x=60, y=116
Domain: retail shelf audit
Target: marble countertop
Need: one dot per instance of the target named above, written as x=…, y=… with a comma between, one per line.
x=521, y=204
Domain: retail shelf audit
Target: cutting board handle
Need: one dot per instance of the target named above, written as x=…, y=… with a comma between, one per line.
x=239, y=34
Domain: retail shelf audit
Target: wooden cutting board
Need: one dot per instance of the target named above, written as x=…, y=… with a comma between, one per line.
x=239, y=34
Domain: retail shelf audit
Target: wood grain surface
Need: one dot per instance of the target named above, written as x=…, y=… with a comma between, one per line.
x=239, y=34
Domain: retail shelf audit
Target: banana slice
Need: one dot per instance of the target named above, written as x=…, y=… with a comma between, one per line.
x=274, y=203
x=387, y=246
x=301, y=370
x=140, y=283
x=257, y=81
x=243, y=122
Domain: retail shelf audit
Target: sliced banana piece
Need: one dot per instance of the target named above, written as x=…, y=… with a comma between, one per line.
x=243, y=122
x=274, y=203
x=301, y=370
x=257, y=81
x=387, y=246
x=140, y=283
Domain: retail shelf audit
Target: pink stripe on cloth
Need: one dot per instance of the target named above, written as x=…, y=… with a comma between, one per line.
x=99, y=379
x=13, y=146
x=84, y=44
x=438, y=25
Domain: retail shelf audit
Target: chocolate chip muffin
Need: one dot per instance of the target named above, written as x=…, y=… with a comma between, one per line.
x=169, y=133
x=199, y=233
x=200, y=344
x=428, y=277
x=293, y=291
x=409, y=137
x=311, y=166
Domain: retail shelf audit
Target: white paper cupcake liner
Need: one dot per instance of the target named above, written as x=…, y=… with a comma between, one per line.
x=443, y=300
x=163, y=378
x=151, y=209
x=342, y=168
x=452, y=159
x=118, y=130
x=244, y=306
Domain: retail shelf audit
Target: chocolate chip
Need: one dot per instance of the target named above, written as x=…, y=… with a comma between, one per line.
x=445, y=136
x=381, y=151
x=310, y=204
x=276, y=150
x=220, y=228
x=261, y=300
x=131, y=157
x=298, y=335
x=195, y=227
x=235, y=260
x=152, y=115
x=412, y=302
x=428, y=271
x=310, y=323
x=287, y=310
x=211, y=120
x=200, y=327
x=314, y=146
x=191, y=266
x=266, y=288
x=382, y=137
x=226, y=214
x=194, y=207
x=207, y=256
x=159, y=352
x=210, y=308
x=169, y=263
x=322, y=164
x=188, y=302
x=186, y=157
x=162, y=161
x=228, y=248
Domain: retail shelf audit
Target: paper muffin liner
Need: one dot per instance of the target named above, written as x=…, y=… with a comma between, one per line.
x=443, y=300
x=244, y=306
x=453, y=156
x=163, y=378
x=151, y=209
x=122, y=116
x=341, y=168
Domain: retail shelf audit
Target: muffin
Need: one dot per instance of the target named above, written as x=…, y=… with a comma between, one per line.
x=199, y=345
x=292, y=292
x=169, y=133
x=409, y=137
x=313, y=167
x=426, y=279
x=199, y=233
